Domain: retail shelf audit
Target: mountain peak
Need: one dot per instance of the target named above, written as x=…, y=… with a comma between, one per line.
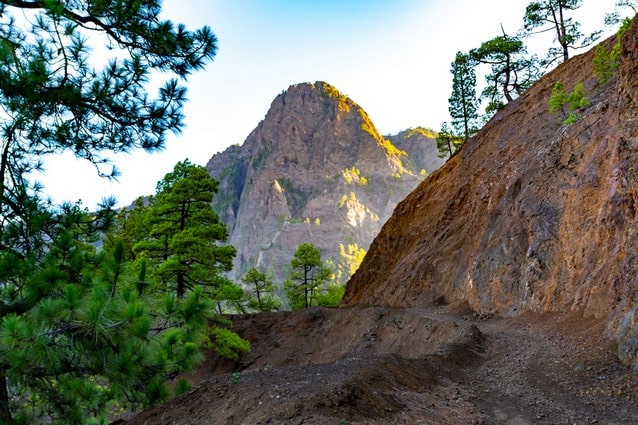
x=314, y=170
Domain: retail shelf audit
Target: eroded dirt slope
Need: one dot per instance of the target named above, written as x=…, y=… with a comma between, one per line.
x=530, y=214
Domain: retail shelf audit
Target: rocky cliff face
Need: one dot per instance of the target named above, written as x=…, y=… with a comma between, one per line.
x=420, y=145
x=530, y=214
x=314, y=170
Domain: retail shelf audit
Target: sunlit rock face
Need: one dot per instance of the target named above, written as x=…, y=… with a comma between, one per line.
x=314, y=170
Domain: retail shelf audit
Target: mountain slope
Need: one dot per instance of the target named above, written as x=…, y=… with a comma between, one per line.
x=314, y=170
x=531, y=214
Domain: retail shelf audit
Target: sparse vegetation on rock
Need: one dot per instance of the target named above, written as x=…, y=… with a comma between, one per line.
x=568, y=103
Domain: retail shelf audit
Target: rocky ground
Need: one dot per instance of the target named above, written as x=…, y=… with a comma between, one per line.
x=442, y=365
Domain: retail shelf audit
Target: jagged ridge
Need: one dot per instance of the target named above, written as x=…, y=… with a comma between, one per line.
x=314, y=170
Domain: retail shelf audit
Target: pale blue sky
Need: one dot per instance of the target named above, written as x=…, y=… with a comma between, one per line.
x=391, y=57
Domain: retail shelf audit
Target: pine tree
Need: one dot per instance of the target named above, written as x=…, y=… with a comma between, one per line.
x=262, y=287
x=463, y=104
x=551, y=16
x=560, y=99
x=307, y=278
x=78, y=338
x=185, y=241
x=75, y=337
x=447, y=142
x=512, y=72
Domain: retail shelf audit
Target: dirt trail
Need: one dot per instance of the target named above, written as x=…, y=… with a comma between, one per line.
x=551, y=369
x=411, y=366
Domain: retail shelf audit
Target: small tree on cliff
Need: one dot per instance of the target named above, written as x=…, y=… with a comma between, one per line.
x=307, y=278
x=551, y=16
x=606, y=62
x=568, y=103
x=512, y=72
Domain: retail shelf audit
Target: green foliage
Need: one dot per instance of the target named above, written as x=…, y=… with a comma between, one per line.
x=332, y=296
x=227, y=295
x=577, y=99
x=463, y=104
x=604, y=65
x=88, y=344
x=350, y=258
x=568, y=103
x=368, y=127
x=184, y=242
x=353, y=175
x=307, y=278
x=512, y=72
x=76, y=335
x=343, y=200
x=228, y=344
x=390, y=149
x=182, y=387
x=331, y=92
x=558, y=99
x=606, y=62
x=131, y=225
x=262, y=288
x=447, y=142
x=425, y=132
x=551, y=15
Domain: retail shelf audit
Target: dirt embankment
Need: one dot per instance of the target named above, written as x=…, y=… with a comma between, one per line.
x=443, y=365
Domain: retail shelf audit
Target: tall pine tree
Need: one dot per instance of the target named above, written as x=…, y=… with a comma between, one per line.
x=75, y=338
x=308, y=276
x=185, y=242
x=463, y=104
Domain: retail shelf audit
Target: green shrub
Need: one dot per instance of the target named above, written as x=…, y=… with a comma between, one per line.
x=228, y=344
x=332, y=296
x=568, y=103
x=182, y=387
x=606, y=61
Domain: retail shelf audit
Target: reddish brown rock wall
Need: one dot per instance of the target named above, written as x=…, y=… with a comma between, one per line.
x=529, y=215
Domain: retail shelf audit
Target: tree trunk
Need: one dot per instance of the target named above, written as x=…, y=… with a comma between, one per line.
x=4, y=163
x=5, y=411
x=181, y=285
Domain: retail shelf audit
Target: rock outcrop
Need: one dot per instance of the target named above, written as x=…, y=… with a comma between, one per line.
x=531, y=214
x=314, y=170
